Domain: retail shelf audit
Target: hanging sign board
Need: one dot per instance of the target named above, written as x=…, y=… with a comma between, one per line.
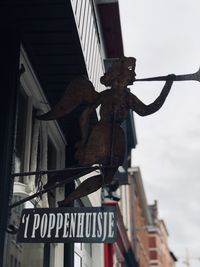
x=62, y=225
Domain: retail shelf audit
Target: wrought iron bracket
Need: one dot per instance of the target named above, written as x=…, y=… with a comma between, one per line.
x=83, y=171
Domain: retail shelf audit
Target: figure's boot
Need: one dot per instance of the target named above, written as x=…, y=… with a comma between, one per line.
x=68, y=175
x=85, y=188
x=89, y=186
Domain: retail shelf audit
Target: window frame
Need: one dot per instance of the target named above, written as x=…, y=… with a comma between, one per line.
x=36, y=100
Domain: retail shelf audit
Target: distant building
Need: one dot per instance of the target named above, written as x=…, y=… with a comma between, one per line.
x=159, y=252
x=140, y=217
x=148, y=233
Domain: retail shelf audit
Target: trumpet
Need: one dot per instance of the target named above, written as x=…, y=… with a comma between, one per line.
x=184, y=77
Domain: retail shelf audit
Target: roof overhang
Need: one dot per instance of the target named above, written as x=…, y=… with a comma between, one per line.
x=49, y=36
x=111, y=28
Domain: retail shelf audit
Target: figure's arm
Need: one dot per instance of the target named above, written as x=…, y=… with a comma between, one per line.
x=142, y=109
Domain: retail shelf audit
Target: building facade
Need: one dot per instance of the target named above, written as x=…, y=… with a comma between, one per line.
x=148, y=233
x=159, y=252
x=46, y=44
x=140, y=217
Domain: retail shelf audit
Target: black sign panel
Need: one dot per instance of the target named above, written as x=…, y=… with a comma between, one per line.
x=61, y=225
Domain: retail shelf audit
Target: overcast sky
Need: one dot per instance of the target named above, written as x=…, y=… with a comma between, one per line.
x=164, y=37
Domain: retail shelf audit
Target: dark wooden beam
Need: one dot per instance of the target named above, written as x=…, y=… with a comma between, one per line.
x=9, y=80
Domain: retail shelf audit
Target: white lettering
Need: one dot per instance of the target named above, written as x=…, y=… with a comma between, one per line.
x=43, y=227
x=105, y=226
x=66, y=225
x=36, y=223
x=88, y=224
x=94, y=225
x=110, y=224
x=26, y=224
x=80, y=224
x=52, y=222
x=72, y=225
x=99, y=223
x=59, y=223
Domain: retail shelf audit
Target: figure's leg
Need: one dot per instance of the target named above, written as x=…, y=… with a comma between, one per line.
x=108, y=174
x=68, y=175
x=89, y=186
x=85, y=188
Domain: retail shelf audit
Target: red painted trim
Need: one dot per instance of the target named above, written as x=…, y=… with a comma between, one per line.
x=123, y=243
x=121, y=230
x=111, y=25
x=108, y=255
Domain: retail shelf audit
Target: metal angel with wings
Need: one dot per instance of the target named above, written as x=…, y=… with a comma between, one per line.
x=105, y=143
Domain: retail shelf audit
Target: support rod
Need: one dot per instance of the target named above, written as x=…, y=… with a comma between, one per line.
x=185, y=77
x=50, y=187
x=43, y=172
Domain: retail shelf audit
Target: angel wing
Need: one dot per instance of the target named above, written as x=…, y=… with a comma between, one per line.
x=78, y=91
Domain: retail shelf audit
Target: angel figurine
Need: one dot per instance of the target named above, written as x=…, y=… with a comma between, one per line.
x=105, y=143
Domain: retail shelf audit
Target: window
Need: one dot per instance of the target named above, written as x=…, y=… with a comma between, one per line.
x=83, y=255
x=153, y=255
x=38, y=146
x=83, y=251
x=77, y=260
x=152, y=242
x=20, y=132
